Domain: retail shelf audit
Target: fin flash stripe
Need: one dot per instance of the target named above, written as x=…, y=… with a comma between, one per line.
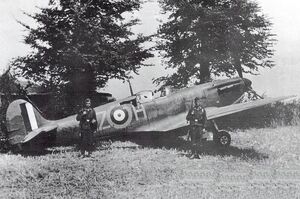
x=29, y=118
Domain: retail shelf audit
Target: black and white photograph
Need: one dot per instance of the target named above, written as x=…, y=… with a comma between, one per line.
x=149, y=99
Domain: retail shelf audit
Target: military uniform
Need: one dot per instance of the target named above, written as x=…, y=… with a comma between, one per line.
x=88, y=125
x=197, y=119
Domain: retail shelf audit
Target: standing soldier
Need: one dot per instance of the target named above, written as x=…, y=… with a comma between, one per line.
x=88, y=125
x=197, y=119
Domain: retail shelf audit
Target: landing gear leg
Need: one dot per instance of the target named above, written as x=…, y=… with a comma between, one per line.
x=221, y=138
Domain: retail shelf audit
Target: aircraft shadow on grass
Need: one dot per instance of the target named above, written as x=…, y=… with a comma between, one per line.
x=209, y=148
x=46, y=151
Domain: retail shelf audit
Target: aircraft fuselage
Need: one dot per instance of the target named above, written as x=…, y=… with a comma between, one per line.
x=132, y=115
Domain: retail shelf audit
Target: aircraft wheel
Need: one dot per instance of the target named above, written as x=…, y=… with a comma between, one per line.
x=222, y=138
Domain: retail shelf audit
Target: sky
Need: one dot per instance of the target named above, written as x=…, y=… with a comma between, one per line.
x=283, y=79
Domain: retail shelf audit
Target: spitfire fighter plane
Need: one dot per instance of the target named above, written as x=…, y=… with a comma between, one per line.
x=138, y=113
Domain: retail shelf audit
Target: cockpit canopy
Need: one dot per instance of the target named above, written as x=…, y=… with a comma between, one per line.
x=145, y=96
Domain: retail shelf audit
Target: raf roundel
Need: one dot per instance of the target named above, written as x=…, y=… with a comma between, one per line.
x=120, y=117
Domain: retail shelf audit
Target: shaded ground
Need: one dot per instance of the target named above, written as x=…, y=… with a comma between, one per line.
x=261, y=163
x=180, y=143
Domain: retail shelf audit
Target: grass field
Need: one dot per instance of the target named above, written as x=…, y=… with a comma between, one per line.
x=261, y=163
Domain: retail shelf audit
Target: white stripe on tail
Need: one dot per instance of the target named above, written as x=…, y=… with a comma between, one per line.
x=31, y=115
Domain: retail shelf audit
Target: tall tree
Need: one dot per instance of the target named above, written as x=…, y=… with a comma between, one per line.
x=204, y=37
x=248, y=38
x=82, y=44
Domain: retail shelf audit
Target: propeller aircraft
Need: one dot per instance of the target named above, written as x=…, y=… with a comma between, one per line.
x=138, y=113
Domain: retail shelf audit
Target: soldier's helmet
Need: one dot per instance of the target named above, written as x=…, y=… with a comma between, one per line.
x=197, y=99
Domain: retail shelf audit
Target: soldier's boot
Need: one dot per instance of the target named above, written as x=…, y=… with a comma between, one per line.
x=197, y=156
x=194, y=152
x=82, y=152
x=89, y=154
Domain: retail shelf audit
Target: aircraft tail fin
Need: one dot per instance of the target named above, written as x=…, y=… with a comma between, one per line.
x=24, y=122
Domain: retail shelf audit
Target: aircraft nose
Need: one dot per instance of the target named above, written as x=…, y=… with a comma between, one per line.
x=247, y=82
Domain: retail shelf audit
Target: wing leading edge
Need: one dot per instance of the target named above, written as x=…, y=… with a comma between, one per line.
x=216, y=112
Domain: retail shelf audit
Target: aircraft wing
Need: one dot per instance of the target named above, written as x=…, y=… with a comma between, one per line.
x=177, y=121
x=216, y=112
